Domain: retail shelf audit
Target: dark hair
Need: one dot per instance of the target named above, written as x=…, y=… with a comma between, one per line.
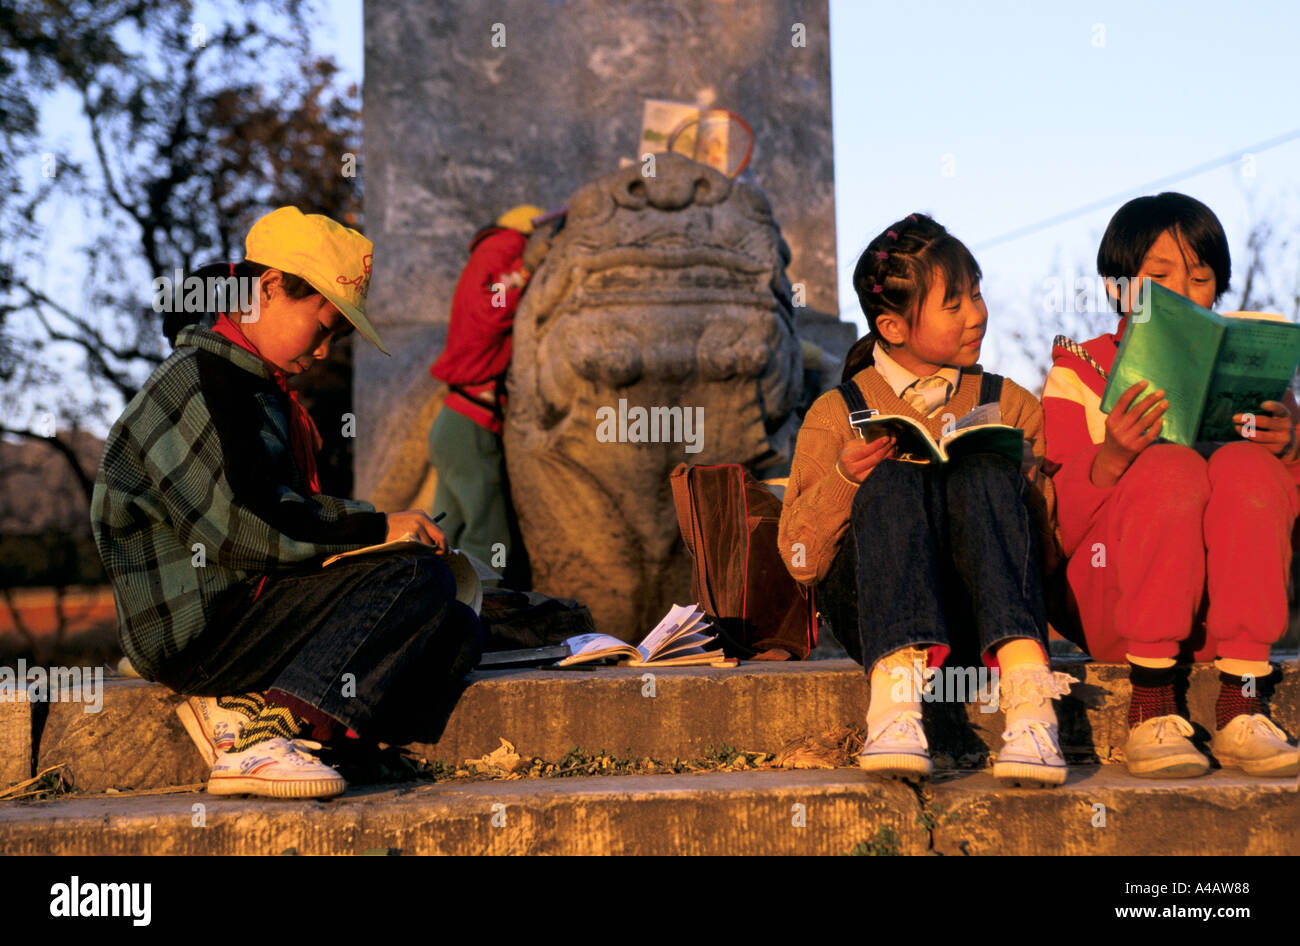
x=295, y=287
x=1138, y=224
x=893, y=275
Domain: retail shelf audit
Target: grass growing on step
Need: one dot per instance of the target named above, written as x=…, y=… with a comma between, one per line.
x=933, y=815
x=835, y=748
x=886, y=843
x=579, y=761
x=723, y=755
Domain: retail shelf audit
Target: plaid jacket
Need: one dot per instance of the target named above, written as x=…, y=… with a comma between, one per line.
x=197, y=492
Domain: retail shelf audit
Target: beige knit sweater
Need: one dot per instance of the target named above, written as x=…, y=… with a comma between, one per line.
x=818, y=500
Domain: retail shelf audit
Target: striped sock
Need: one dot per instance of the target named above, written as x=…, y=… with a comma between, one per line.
x=1233, y=701
x=249, y=704
x=322, y=727
x=271, y=723
x=1153, y=694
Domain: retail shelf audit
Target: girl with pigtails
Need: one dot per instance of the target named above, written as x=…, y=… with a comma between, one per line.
x=920, y=563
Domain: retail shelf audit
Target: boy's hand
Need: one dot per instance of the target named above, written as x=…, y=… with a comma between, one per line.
x=1130, y=428
x=416, y=522
x=859, y=457
x=1273, y=428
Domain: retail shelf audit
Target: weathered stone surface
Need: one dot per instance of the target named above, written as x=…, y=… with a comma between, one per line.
x=459, y=129
x=1222, y=813
x=661, y=294
x=393, y=426
x=134, y=741
x=716, y=813
x=409, y=481
x=16, y=754
x=757, y=707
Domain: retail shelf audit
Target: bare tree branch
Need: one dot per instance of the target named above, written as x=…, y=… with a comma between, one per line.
x=86, y=482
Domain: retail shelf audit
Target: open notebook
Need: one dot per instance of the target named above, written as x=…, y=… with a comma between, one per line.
x=676, y=641
x=470, y=573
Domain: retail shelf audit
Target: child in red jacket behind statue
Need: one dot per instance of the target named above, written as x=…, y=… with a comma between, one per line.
x=465, y=440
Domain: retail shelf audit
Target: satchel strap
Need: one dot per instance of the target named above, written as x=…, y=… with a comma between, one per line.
x=990, y=388
x=852, y=395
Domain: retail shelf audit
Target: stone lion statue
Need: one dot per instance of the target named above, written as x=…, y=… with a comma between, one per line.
x=658, y=329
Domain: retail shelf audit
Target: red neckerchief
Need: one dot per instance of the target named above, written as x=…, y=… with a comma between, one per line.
x=304, y=438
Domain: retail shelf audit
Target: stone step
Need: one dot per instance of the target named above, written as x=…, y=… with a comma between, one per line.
x=1100, y=810
x=135, y=740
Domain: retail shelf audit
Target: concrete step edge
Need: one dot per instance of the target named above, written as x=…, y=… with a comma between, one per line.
x=1101, y=810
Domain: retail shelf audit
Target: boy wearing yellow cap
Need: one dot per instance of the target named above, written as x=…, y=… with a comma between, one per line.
x=208, y=517
x=465, y=439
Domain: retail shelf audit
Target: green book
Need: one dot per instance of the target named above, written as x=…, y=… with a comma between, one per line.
x=1210, y=366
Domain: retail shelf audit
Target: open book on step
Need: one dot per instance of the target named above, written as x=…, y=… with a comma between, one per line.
x=676, y=641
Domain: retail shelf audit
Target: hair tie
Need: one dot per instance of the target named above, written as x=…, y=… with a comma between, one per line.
x=912, y=217
x=891, y=234
x=881, y=254
x=877, y=288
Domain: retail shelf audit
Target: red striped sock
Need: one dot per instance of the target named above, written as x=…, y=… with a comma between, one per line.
x=1153, y=694
x=1233, y=701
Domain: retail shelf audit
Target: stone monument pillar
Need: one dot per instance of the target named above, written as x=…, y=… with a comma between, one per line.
x=472, y=108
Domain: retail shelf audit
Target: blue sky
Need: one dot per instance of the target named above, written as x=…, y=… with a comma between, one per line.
x=1041, y=112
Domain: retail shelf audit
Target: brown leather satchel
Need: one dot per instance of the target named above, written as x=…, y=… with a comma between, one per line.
x=729, y=523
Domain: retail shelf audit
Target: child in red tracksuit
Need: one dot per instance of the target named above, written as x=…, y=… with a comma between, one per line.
x=1160, y=535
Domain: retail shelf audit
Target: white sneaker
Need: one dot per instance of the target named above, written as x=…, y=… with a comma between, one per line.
x=213, y=729
x=1030, y=755
x=898, y=749
x=277, y=768
x=1031, y=750
x=1159, y=748
x=1257, y=745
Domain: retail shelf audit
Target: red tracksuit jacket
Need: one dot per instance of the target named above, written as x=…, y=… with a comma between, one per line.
x=478, y=348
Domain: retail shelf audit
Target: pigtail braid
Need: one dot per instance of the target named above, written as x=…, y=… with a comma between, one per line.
x=893, y=274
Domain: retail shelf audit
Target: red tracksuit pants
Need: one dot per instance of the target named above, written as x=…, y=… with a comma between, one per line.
x=1190, y=557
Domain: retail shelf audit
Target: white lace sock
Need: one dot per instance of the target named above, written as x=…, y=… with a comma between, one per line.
x=894, y=686
x=1026, y=692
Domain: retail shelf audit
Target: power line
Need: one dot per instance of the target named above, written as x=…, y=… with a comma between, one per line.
x=1143, y=189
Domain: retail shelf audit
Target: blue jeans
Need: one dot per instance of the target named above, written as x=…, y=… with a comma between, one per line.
x=946, y=555
x=378, y=642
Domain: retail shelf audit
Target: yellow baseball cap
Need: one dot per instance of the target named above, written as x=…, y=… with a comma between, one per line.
x=333, y=258
x=520, y=218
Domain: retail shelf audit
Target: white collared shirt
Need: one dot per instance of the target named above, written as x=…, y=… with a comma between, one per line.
x=926, y=395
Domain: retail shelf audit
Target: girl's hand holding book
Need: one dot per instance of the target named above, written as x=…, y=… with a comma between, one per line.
x=1273, y=429
x=1130, y=428
x=859, y=457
